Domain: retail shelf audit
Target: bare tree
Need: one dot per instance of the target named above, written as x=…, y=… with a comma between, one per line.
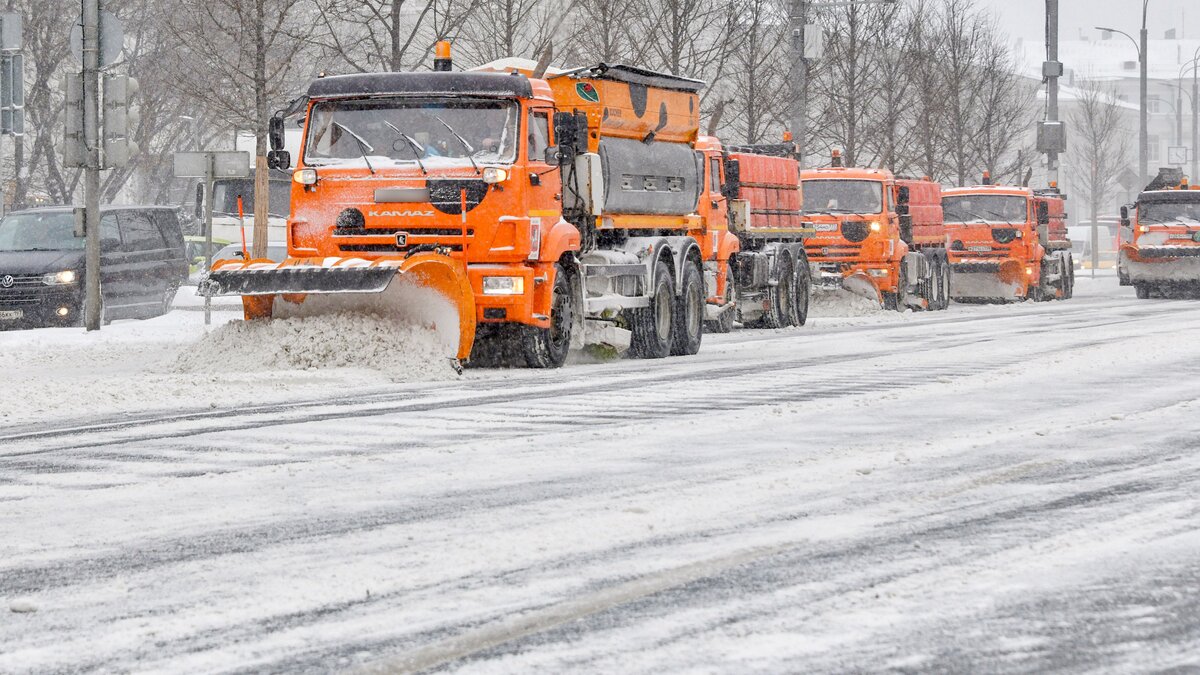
x=1100, y=145
x=393, y=35
x=758, y=73
x=239, y=58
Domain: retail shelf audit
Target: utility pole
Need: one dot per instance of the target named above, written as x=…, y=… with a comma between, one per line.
x=1052, y=69
x=798, y=115
x=1195, y=118
x=1144, y=133
x=91, y=178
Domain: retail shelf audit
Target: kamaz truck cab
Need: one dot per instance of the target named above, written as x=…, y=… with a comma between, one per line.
x=1007, y=243
x=1161, y=249
x=863, y=234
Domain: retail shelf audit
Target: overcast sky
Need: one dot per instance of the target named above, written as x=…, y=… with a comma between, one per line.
x=1026, y=18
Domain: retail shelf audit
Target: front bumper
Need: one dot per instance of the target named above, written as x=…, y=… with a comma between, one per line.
x=1149, y=266
x=987, y=279
x=39, y=307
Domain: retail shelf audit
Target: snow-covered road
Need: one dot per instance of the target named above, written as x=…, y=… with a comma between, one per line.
x=986, y=489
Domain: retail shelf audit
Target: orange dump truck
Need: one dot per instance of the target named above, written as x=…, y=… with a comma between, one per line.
x=535, y=213
x=1162, y=252
x=867, y=224
x=763, y=273
x=1008, y=243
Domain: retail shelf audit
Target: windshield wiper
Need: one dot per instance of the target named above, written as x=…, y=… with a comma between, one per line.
x=417, y=148
x=363, y=146
x=467, y=146
x=1001, y=216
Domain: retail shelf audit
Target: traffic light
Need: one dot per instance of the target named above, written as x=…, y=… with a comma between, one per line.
x=74, y=146
x=120, y=120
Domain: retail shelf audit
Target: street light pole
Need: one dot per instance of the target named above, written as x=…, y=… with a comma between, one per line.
x=1144, y=134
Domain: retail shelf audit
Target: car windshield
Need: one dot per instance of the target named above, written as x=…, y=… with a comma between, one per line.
x=393, y=131
x=843, y=196
x=1169, y=213
x=227, y=190
x=39, y=232
x=990, y=209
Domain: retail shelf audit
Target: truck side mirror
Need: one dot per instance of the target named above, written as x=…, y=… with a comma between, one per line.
x=554, y=155
x=1125, y=216
x=1043, y=213
x=902, y=195
x=280, y=160
x=275, y=131
x=906, y=226
x=571, y=133
x=732, y=188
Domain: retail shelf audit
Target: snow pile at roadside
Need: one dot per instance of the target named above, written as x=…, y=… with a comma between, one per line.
x=841, y=304
x=401, y=351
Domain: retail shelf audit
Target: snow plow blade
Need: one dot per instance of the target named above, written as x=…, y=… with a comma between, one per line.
x=248, y=280
x=427, y=289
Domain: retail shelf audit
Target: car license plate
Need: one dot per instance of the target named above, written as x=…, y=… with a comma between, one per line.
x=11, y=314
x=826, y=227
x=979, y=249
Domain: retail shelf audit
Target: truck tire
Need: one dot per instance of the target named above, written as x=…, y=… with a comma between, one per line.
x=943, y=281
x=803, y=291
x=1142, y=290
x=687, y=328
x=782, y=298
x=897, y=299
x=548, y=347
x=725, y=323
x=651, y=326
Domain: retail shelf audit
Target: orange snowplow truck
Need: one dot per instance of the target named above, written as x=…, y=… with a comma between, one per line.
x=866, y=221
x=542, y=212
x=1160, y=252
x=762, y=271
x=1008, y=243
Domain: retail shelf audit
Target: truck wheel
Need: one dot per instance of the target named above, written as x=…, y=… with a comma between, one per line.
x=783, y=298
x=688, y=325
x=803, y=291
x=1142, y=290
x=725, y=323
x=548, y=347
x=943, y=281
x=898, y=299
x=651, y=326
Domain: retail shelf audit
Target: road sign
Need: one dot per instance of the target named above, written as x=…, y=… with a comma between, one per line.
x=1129, y=180
x=225, y=164
x=10, y=31
x=112, y=39
x=1177, y=155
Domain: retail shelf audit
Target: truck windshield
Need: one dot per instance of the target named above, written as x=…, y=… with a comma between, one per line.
x=39, y=232
x=843, y=196
x=990, y=209
x=226, y=191
x=1169, y=213
x=392, y=131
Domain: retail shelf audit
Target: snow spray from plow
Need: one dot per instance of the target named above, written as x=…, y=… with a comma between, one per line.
x=425, y=289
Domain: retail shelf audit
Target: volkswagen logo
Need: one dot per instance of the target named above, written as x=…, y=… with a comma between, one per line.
x=7, y=281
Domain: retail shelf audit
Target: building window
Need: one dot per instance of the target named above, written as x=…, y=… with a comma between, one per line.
x=1153, y=152
x=1153, y=105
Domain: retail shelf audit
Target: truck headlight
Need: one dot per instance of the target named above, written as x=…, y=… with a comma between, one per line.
x=875, y=226
x=877, y=273
x=494, y=174
x=503, y=285
x=60, y=278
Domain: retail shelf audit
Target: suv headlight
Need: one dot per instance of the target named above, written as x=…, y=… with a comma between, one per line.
x=60, y=278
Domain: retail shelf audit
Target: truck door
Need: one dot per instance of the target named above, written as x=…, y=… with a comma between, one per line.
x=544, y=182
x=719, y=214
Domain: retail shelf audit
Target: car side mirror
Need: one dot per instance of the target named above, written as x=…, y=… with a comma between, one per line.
x=275, y=132
x=732, y=188
x=280, y=160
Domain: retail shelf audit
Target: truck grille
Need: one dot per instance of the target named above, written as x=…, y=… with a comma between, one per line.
x=835, y=251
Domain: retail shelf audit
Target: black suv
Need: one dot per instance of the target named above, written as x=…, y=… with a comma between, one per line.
x=142, y=263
